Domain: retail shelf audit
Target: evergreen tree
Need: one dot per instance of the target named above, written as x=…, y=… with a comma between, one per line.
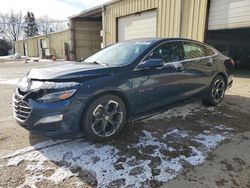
x=5, y=46
x=30, y=25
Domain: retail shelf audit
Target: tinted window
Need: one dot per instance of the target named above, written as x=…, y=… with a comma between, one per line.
x=192, y=50
x=168, y=52
x=209, y=51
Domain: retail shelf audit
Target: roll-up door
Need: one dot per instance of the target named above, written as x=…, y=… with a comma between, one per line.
x=141, y=25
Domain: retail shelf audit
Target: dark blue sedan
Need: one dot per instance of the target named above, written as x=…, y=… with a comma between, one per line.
x=121, y=82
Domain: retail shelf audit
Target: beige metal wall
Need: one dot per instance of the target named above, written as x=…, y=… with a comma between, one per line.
x=87, y=39
x=32, y=46
x=19, y=47
x=55, y=42
x=194, y=19
x=175, y=18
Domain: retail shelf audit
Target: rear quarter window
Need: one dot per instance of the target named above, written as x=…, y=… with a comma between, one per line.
x=209, y=51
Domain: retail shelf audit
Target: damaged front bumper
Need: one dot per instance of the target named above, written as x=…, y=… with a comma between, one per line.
x=48, y=119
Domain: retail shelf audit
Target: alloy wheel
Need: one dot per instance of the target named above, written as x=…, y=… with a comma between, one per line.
x=107, y=118
x=218, y=90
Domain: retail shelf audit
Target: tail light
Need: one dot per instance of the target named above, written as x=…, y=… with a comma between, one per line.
x=232, y=62
x=229, y=64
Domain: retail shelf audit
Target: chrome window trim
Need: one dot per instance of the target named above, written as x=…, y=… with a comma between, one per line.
x=185, y=60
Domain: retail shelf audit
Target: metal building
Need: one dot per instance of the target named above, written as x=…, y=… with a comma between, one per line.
x=225, y=24
x=121, y=20
x=54, y=44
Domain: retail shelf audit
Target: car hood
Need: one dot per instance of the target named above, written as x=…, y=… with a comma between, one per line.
x=63, y=71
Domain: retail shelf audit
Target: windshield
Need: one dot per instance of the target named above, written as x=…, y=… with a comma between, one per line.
x=119, y=54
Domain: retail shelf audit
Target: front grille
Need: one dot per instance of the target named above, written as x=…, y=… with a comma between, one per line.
x=21, y=109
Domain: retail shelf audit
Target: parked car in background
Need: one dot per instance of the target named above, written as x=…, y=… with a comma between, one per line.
x=117, y=84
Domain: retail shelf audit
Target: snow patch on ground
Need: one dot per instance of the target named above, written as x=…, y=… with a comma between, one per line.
x=161, y=157
x=9, y=81
x=182, y=112
x=210, y=141
x=101, y=159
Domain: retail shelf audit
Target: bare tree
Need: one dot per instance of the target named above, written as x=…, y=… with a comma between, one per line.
x=11, y=24
x=59, y=25
x=47, y=25
x=43, y=25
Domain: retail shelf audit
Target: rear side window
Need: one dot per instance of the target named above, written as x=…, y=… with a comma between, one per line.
x=168, y=52
x=209, y=51
x=192, y=50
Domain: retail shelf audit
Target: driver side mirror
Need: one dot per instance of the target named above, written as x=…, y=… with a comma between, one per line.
x=151, y=63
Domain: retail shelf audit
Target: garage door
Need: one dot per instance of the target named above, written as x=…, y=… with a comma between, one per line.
x=141, y=25
x=229, y=14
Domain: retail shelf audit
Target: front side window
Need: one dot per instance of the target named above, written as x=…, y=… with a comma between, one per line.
x=192, y=50
x=119, y=54
x=168, y=52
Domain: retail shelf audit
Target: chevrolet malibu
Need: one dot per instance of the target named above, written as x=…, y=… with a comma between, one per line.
x=118, y=84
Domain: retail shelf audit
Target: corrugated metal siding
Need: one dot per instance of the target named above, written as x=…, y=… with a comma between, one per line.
x=32, y=47
x=87, y=38
x=194, y=19
x=225, y=14
x=170, y=14
x=19, y=47
x=55, y=42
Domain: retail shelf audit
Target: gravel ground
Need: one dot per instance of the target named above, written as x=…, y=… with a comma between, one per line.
x=189, y=146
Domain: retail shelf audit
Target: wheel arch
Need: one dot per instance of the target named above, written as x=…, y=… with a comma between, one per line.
x=224, y=75
x=109, y=92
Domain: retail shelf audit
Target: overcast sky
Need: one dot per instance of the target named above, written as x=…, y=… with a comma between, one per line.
x=56, y=9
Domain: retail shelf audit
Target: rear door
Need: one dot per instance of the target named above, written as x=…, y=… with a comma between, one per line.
x=198, y=65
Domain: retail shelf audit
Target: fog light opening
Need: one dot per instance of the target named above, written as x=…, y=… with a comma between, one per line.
x=49, y=119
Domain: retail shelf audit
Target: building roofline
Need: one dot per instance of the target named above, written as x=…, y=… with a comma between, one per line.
x=38, y=36
x=81, y=14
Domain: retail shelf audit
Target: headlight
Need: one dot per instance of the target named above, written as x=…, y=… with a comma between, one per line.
x=56, y=96
x=52, y=85
x=27, y=85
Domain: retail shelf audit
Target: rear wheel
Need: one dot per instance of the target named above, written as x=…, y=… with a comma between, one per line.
x=216, y=91
x=104, y=118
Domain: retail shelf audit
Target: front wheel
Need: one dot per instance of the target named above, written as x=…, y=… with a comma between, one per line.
x=104, y=118
x=216, y=91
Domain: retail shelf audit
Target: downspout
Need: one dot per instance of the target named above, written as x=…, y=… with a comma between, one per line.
x=72, y=40
x=103, y=26
x=181, y=14
x=207, y=20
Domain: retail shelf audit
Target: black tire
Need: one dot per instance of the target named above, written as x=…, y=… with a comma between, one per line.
x=216, y=91
x=104, y=118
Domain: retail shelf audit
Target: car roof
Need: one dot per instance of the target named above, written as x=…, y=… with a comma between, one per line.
x=163, y=39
